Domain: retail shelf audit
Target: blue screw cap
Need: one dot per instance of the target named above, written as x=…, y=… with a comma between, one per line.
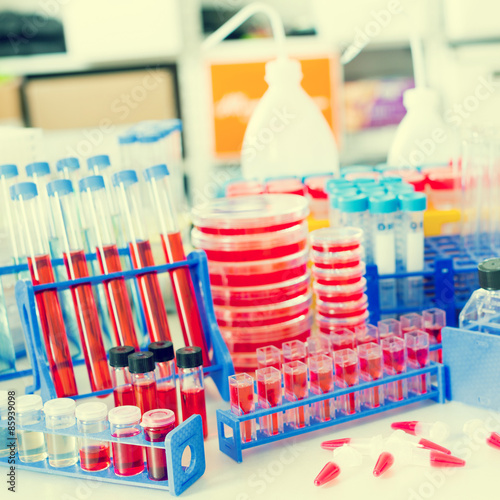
x=127, y=138
x=157, y=172
x=413, y=202
x=99, y=161
x=337, y=195
x=125, y=177
x=70, y=163
x=92, y=182
x=336, y=184
x=39, y=168
x=384, y=204
x=402, y=188
x=62, y=187
x=353, y=204
x=8, y=170
x=24, y=190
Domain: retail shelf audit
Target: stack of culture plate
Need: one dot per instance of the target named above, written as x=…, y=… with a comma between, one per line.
x=257, y=249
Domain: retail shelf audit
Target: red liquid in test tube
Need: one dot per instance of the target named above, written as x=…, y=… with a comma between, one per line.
x=124, y=396
x=269, y=394
x=434, y=321
x=145, y=395
x=417, y=354
x=343, y=339
x=193, y=403
x=346, y=375
x=393, y=352
x=321, y=382
x=241, y=396
x=95, y=458
x=371, y=368
x=269, y=356
x=295, y=383
x=167, y=397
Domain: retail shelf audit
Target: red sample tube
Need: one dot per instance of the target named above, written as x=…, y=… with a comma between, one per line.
x=142, y=366
x=343, y=338
x=321, y=381
x=321, y=344
x=189, y=364
x=434, y=321
x=35, y=235
x=295, y=384
x=295, y=350
x=68, y=232
x=123, y=391
x=371, y=368
x=128, y=459
x=269, y=394
x=410, y=322
x=241, y=397
x=126, y=184
x=157, y=424
x=166, y=393
x=101, y=235
x=347, y=375
x=182, y=284
x=389, y=327
x=417, y=356
x=393, y=352
x=269, y=356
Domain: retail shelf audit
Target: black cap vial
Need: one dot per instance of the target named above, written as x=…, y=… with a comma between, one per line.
x=189, y=357
x=489, y=274
x=141, y=362
x=162, y=350
x=118, y=356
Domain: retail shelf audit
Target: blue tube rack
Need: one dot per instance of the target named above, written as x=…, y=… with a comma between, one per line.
x=449, y=275
x=188, y=434
x=220, y=369
x=233, y=446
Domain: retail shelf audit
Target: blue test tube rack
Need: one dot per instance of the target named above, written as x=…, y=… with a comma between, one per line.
x=219, y=370
x=232, y=445
x=188, y=434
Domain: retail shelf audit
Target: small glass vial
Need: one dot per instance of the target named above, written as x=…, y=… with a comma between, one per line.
x=128, y=459
x=123, y=391
x=4, y=432
x=295, y=350
x=163, y=353
x=393, y=354
x=411, y=322
x=371, y=368
x=157, y=424
x=269, y=356
x=295, y=388
x=30, y=445
x=388, y=328
x=189, y=363
x=417, y=356
x=347, y=375
x=269, y=393
x=434, y=321
x=241, y=396
x=321, y=381
x=142, y=366
x=60, y=414
x=94, y=453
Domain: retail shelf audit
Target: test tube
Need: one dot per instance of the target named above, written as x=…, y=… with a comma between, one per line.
x=366, y=333
x=410, y=322
x=126, y=184
x=51, y=318
x=321, y=344
x=389, y=327
x=393, y=351
x=189, y=364
x=295, y=350
x=347, y=375
x=94, y=453
x=269, y=356
x=185, y=298
x=101, y=165
x=434, y=321
x=417, y=355
x=60, y=414
x=157, y=424
x=101, y=237
x=163, y=354
x=383, y=236
x=5, y=436
x=142, y=366
x=30, y=444
x=124, y=422
x=343, y=338
x=127, y=143
x=67, y=166
x=412, y=237
x=334, y=196
x=321, y=381
x=269, y=395
x=241, y=397
x=371, y=368
x=123, y=390
x=68, y=232
x=295, y=386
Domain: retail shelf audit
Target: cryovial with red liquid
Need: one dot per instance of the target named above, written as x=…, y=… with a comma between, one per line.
x=371, y=368
x=241, y=397
x=269, y=396
x=123, y=390
x=393, y=353
x=347, y=375
x=417, y=356
x=295, y=385
x=321, y=381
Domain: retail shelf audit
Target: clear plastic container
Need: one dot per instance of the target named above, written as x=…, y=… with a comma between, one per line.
x=142, y=369
x=123, y=390
x=269, y=356
x=31, y=445
x=340, y=293
x=328, y=325
x=60, y=414
x=337, y=277
x=241, y=397
x=337, y=260
x=269, y=396
x=336, y=239
x=342, y=309
x=261, y=294
x=249, y=214
x=94, y=454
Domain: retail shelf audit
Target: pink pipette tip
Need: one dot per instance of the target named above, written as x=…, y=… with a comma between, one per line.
x=328, y=472
x=429, y=445
x=408, y=427
x=384, y=463
x=442, y=460
x=335, y=443
x=493, y=440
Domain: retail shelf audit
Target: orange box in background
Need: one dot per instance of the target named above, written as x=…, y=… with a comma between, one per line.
x=238, y=87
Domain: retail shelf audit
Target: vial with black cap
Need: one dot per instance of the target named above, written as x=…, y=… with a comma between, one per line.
x=123, y=391
x=142, y=366
x=190, y=368
x=482, y=311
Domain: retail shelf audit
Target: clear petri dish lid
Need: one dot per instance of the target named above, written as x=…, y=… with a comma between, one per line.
x=326, y=323
x=346, y=273
x=347, y=258
x=334, y=290
x=244, y=242
x=249, y=214
x=336, y=239
x=286, y=186
x=339, y=308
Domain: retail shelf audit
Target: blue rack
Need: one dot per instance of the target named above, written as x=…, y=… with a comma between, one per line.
x=232, y=445
x=449, y=278
x=188, y=434
x=196, y=261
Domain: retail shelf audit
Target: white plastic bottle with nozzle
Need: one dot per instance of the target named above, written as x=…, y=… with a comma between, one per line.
x=287, y=133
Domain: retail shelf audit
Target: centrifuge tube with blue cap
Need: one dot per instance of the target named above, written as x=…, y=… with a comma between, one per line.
x=64, y=212
x=35, y=234
x=333, y=202
x=412, y=207
x=127, y=187
x=95, y=204
x=382, y=211
x=67, y=166
x=157, y=178
x=128, y=145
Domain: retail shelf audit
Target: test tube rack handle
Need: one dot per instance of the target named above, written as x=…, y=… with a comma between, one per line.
x=187, y=434
x=233, y=447
x=220, y=369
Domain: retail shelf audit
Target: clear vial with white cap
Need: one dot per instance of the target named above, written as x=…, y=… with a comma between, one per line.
x=30, y=445
x=4, y=432
x=60, y=414
x=94, y=453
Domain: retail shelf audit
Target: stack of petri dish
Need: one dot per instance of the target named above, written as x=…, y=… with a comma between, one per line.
x=257, y=250
x=339, y=286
